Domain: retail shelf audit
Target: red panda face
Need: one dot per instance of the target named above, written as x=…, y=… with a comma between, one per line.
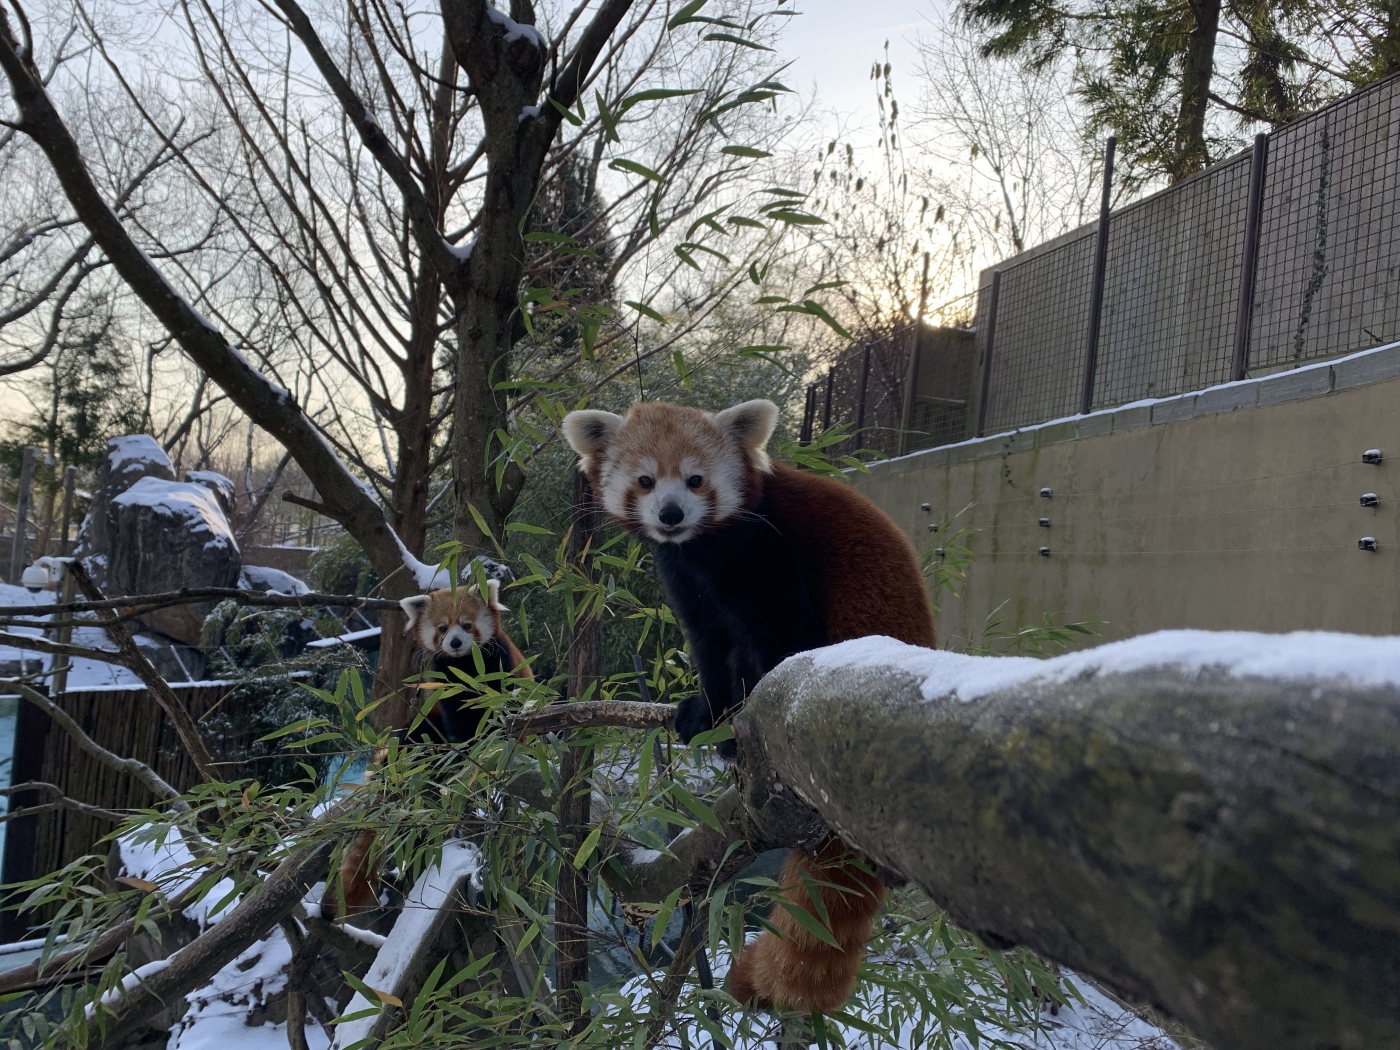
x=670, y=472
x=448, y=626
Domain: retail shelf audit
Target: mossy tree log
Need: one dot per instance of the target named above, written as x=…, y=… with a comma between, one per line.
x=1223, y=846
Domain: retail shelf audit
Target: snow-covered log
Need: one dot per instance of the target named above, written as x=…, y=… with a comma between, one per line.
x=1209, y=823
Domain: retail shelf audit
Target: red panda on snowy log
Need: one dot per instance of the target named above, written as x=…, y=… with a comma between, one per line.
x=448, y=627
x=760, y=561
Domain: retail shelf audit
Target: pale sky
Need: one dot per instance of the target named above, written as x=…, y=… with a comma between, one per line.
x=833, y=44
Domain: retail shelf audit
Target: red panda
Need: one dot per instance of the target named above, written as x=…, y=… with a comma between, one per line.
x=447, y=627
x=759, y=561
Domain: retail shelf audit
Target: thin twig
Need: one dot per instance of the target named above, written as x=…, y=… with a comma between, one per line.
x=130, y=766
x=60, y=801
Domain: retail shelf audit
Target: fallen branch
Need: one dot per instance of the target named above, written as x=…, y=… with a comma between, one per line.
x=1206, y=823
x=29, y=614
x=197, y=962
x=591, y=714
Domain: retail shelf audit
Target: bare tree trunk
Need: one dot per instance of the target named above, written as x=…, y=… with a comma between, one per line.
x=1221, y=846
x=575, y=772
x=1198, y=67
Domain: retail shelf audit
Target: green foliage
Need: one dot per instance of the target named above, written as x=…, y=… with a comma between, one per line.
x=264, y=652
x=341, y=567
x=1175, y=89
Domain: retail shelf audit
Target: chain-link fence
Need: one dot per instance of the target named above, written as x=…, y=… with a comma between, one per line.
x=1193, y=292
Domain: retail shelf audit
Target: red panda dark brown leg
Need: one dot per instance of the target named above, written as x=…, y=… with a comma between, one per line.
x=796, y=970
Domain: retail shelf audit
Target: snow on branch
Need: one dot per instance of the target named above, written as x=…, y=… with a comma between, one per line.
x=1201, y=821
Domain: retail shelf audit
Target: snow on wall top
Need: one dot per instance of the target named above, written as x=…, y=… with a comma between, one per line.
x=1310, y=655
x=125, y=453
x=181, y=499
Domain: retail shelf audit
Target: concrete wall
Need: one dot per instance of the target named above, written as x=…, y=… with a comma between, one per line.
x=1237, y=507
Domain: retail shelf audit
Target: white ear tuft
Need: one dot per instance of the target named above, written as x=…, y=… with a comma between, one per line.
x=493, y=595
x=588, y=432
x=413, y=608
x=751, y=424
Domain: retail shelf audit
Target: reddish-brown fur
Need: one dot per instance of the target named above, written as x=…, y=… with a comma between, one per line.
x=797, y=970
x=866, y=569
x=863, y=577
x=430, y=616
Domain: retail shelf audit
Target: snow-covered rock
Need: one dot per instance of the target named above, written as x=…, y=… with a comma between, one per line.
x=266, y=578
x=220, y=485
x=165, y=535
x=128, y=459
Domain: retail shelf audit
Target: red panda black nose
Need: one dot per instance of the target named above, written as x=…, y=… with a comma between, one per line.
x=671, y=514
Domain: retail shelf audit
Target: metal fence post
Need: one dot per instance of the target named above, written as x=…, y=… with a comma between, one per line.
x=1091, y=354
x=1258, y=164
x=70, y=475
x=994, y=295
x=830, y=383
x=864, y=382
x=911, y=379
x=809, y=414
x=21, y=540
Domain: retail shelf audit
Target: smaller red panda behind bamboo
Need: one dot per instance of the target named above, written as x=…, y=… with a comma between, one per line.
x=448, y=627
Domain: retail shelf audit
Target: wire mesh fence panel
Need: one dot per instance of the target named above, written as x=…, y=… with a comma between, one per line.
x=940, y=412
x=867, y=391
x=1329, y=257
x=1171, y=289
x=1042, y=328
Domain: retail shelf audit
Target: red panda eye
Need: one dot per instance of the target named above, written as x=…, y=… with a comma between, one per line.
x=442, y=628
x=646, y=482
x=695, y=481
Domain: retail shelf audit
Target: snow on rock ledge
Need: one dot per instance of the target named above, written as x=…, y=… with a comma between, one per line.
x=128, y=459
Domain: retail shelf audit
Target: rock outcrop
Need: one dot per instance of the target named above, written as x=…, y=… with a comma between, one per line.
x=164, y=535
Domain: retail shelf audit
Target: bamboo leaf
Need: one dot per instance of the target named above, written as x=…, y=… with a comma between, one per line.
x=745, y=151
x=809, y=922
x=730, y=38
x=623, y=164
x=653, y=95
x=589, y=845
x=644, y=309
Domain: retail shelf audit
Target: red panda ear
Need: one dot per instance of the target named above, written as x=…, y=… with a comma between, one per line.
x=493, y=595
x=751, y=424
x=413, y=608
x=589, y=431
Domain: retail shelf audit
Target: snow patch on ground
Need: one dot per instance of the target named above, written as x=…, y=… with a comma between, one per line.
x=1097, y=1024
x=420, y=908
x=220, y=1013
x=1312, y=655
x=154, y=854
x=83, y=673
